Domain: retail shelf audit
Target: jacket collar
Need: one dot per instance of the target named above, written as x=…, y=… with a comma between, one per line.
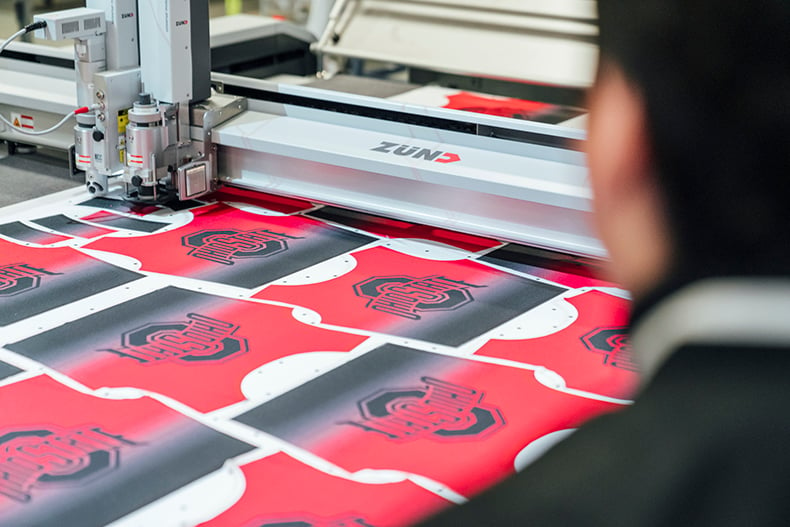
x=716, y=311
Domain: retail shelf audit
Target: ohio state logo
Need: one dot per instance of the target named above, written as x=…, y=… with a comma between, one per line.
x=49, y=456
x=314, y=521
x=409, y=297
x=437, y=410
x=197, y=339
x=613, y=344
x=225, y=246
x=18, y=278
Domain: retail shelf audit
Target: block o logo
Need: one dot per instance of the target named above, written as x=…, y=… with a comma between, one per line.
x=19, y=278
x=199, y=339
x=408, y=297
x=55, y=456
x=613, y=344
x=19, y=285
x=225, y=246
x=438, y=410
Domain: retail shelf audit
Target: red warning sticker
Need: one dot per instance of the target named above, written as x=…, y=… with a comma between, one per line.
x=23, y=121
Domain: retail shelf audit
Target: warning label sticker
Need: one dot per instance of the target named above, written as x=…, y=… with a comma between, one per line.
x=23, y=121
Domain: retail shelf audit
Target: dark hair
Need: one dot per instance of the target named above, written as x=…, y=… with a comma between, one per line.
x=715, y=76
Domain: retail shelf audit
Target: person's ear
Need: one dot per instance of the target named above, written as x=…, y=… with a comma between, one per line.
x=618, y=145
x=629, y=212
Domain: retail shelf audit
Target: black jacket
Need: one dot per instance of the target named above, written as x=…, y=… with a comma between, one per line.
x=707, y=441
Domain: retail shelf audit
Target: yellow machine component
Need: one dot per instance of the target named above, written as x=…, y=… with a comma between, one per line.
x=233, y=7
x=123, y=120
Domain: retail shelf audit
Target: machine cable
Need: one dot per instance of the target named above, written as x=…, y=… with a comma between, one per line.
x=27, y=29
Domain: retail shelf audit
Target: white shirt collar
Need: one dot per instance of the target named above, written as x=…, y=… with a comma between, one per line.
x=721, y=311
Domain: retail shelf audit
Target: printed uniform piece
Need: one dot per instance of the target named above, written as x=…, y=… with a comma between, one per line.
x=35, y=280
x=71, y=459
x=572, y=272
x=456, y=421
x=502, y=106
x=120, y=205
x=116, y=221
x=510, y=107
x=283, y=492
x=226, y=245
x=178, y=206
x=72, y=227
x=19, y=231
x=391, y=228
x=193, y=347
x=592, y=354
x=260, y=199
x=446, y=302
x=6, y=370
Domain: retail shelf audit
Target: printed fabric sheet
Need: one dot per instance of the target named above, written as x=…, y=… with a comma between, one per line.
x=254, y=360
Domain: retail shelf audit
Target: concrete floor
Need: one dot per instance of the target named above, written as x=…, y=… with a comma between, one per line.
x=25, y=176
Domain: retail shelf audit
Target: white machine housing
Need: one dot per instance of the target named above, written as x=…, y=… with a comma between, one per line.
x=80, y=22
x=121, y=42
x=172, y=50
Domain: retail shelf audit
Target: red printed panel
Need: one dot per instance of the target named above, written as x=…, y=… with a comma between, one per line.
x=453, y=420
x=446, y=302
x=501, y=106
x=282, y=491
x=260, y=199
x=226, y=245
x=570, y=271
x=593, y=354
x=391, y=228
x=193, y=347
x=71, y=459
x=568, y=279
x=19, y=231
x=116, y=221
x=121, y=205
x=33, y=281
x=72, y=227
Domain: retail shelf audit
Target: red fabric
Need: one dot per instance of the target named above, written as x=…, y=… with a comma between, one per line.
x=568, y=279
x=47, y=261
x=175, y=253
x=192, y=347
x=21, y=232
x=391, y=228
x=529, y=410
x=72, y=227
x=456, y=421
x=67, y=458
x=34, y=280
x=101, y=216
x=492, y=297
x=581, y=358
x=501, y=106
x=259, y=199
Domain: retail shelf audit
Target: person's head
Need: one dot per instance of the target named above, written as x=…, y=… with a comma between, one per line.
x=689, y=145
